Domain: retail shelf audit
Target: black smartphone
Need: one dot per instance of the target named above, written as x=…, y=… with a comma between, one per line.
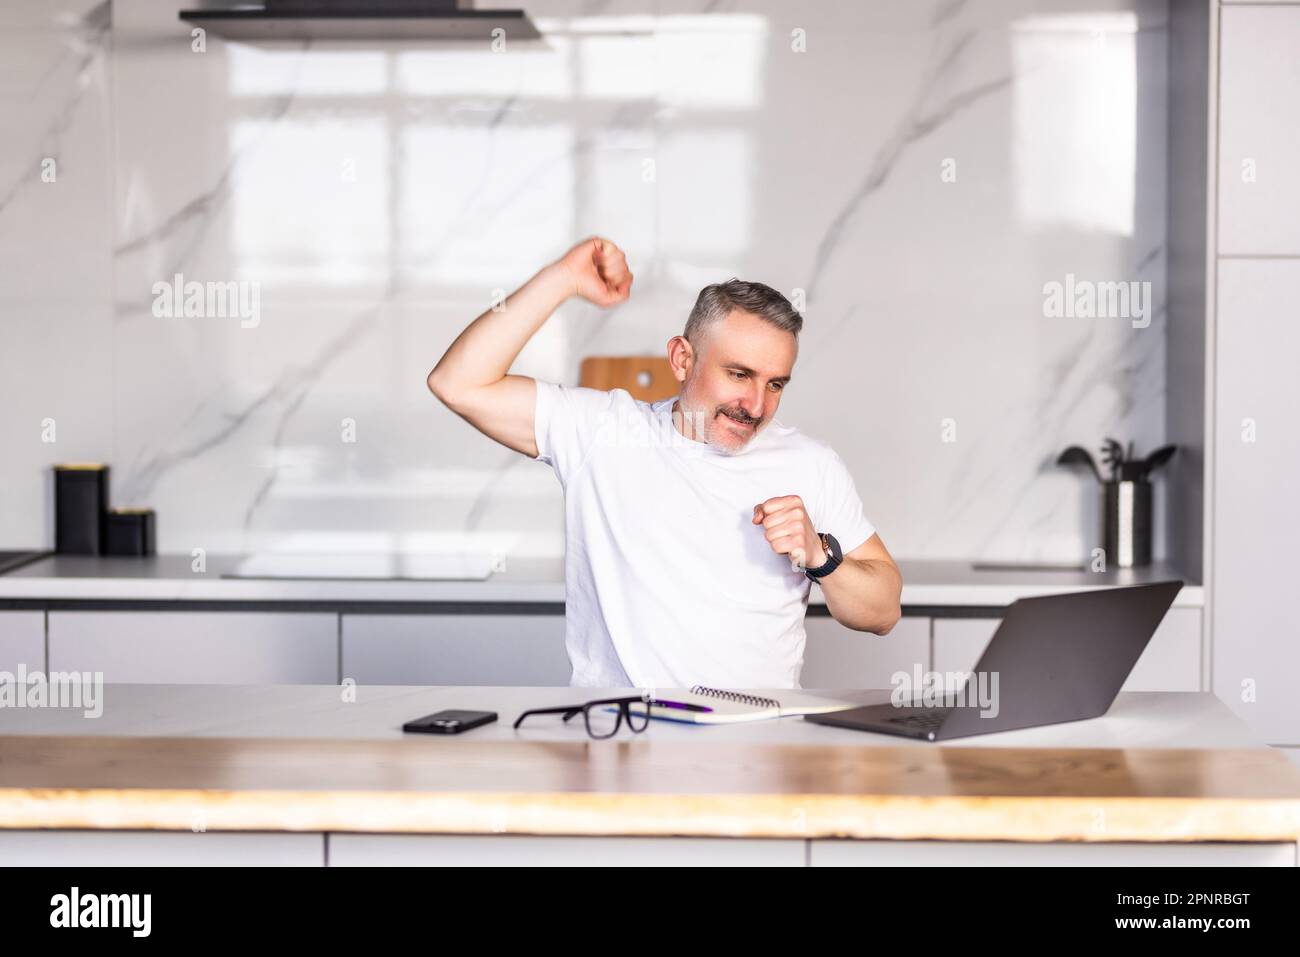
x=450, y=722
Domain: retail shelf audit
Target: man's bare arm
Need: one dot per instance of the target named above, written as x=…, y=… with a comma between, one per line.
x=472, y=377
x=864, y=593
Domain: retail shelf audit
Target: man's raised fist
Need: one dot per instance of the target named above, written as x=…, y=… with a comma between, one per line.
x=598, y=270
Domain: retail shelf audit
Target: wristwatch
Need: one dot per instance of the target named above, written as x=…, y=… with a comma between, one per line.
x=834, y=557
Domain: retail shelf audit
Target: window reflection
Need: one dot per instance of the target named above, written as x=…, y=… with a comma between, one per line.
x=1075, y=114
x=457, y=166
x=311, y=203
x=542, y=69
x=477, y=207
x=274, y=70
x=452, y=171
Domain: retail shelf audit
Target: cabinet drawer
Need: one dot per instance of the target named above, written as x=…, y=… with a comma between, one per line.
x=455, y=650
x=825, y=853
x=22, y=640
x=159, y=849
x=246, y=648
x=839, y=657
x=509, y=850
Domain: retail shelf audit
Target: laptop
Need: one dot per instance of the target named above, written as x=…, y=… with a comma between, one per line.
x=1053, y=659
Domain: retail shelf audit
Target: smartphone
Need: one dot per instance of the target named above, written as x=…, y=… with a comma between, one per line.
x=450, y=722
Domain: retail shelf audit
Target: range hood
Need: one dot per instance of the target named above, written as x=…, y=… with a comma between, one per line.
x=375, y=20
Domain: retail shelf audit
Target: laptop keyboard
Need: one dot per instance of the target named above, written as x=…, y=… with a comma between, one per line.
x=921, y=720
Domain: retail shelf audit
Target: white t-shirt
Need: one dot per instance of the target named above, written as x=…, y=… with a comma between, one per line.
x=668, y=583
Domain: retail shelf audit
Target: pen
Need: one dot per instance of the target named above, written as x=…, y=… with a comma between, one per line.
x=681, y=705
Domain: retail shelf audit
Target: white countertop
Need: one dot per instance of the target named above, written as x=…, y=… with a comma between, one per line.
x=1136, y=720
x=170, y=578
x=1159, y=767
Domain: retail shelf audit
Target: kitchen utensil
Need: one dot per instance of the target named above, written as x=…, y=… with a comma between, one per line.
x=1126, y=498
x=648, y=378
x=1112, y=454
x=1158, y=458
x=1077, y=455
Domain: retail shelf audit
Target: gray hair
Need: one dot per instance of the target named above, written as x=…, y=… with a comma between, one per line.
x=716, y=302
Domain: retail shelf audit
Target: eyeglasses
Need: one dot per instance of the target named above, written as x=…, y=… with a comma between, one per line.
x=602, y=718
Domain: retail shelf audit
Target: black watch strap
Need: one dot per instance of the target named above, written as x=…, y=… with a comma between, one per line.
x=834, y=557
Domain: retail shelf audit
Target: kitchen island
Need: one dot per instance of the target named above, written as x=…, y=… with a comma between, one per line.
x=317, y=774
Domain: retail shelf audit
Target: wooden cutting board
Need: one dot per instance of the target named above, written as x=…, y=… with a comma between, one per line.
x=648, y=378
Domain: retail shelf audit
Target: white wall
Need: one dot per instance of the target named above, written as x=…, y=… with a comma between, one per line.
x=379, y=194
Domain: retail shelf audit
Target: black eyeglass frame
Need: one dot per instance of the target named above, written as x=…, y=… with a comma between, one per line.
x=624, y=713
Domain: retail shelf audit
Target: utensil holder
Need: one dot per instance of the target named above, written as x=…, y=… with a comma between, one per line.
x=1126, y=522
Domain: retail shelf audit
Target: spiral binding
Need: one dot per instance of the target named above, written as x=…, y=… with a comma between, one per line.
x=736, y=696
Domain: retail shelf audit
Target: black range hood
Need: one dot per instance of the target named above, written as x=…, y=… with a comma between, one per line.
x=375, y=20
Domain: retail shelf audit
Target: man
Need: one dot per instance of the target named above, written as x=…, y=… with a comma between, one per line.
x=690, y=521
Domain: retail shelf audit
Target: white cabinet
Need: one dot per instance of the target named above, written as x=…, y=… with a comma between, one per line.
x=1259, y=131
x=529, y=650
x=839, y=657
x=455, y=650
x=508, y=850
x=159, y=849
x=843, y=853
x=22, y=640
x=1255, y=620
x=247, y=648
x=1256, y=624
x=958, y=644
x=482, y=649
x=1171, y=662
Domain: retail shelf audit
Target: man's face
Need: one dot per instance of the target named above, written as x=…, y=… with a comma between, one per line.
x=734, y=383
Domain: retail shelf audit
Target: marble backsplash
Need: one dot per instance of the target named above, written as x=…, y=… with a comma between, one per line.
x=920, y=170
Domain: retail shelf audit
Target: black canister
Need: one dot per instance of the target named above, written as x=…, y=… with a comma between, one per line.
x=80, y=502
x=130, y=531
x=1126, y=522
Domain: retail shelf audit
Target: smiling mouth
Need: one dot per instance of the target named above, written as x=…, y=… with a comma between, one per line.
x=749, y=426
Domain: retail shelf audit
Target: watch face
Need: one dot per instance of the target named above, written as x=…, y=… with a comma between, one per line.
x=829, y=546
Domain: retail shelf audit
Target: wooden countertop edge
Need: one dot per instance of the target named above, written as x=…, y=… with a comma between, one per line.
x=890, y=817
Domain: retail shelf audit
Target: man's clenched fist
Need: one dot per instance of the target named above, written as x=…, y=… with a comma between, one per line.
x=789, y=530
x=598, y=271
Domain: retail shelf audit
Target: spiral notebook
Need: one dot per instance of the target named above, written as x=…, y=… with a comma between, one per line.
x=733, y=707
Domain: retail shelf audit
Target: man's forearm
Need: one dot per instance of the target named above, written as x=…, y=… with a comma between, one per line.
x=864, y=595
x=484, y=352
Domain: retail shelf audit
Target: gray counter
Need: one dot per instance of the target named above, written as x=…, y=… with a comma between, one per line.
x=929, y=587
